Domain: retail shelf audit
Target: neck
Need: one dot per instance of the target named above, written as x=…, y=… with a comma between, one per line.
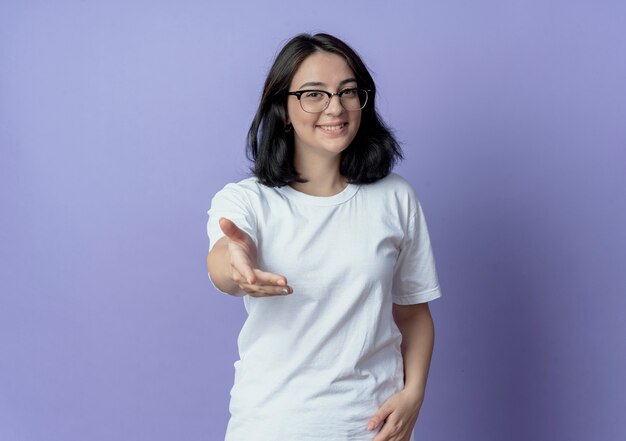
x=322, y=175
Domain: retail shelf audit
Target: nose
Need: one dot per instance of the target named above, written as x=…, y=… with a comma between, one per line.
x=334, y=106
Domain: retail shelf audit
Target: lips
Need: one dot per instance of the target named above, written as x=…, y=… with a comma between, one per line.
x=332, y=127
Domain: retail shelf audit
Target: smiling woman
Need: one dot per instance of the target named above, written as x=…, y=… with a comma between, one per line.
x=323, y=127
x=300, y=66
x=330, y=251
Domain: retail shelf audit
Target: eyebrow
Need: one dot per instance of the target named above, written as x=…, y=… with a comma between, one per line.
x=317, y=83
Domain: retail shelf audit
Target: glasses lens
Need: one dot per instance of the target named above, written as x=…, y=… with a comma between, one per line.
x=313, y=101
x=354, y=99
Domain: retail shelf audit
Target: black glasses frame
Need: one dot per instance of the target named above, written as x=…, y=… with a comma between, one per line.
x=330, y=95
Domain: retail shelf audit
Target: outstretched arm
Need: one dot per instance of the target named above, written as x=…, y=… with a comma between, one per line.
x=232, y=266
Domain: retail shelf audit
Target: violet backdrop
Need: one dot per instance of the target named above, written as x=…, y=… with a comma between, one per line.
x=120, y=120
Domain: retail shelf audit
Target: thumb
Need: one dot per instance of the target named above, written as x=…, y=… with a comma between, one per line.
x=231, y=230
x=236, y=234
x=247, y=272
x=381, y=415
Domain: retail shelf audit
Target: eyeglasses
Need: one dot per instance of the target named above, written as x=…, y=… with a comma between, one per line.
x=316, y=101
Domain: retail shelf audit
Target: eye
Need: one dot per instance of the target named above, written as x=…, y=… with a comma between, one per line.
x=349, y=93
x=313, y=95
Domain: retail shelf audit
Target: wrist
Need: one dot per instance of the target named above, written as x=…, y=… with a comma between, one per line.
x=416, y=392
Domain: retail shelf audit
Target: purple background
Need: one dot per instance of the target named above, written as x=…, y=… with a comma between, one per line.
x=118, y=122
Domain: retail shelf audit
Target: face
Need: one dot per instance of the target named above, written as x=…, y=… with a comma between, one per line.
x=331, y=131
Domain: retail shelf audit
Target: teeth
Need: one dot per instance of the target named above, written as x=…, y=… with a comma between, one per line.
x=339, y=127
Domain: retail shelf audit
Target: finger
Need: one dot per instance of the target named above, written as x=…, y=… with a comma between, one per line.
x=231, y=230
x=238, y=278
x=265, y=290
x=385, y=434
x=267, y=278
x=245, y=270
x=381, y=415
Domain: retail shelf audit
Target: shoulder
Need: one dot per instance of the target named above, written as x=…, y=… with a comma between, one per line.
x=397, y=182
x=244, y=188
x=395, y=195
x=397, y=188
x=248, y=191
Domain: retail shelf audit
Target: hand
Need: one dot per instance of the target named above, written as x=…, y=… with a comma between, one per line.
x=399, y=413
x=243, y=261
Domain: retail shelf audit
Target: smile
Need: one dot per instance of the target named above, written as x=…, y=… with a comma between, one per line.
x=334, y=128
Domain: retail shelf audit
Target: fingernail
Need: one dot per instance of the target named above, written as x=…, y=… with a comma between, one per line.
x=284, y=291
x=370, y=426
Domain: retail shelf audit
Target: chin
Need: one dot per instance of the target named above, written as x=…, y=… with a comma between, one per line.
x=335, y=148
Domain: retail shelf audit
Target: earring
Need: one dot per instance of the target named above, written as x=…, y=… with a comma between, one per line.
x=288, y=128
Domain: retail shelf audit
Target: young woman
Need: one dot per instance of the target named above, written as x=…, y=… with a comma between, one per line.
x=330, y=251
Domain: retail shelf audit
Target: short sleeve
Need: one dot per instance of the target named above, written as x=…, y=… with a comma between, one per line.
x=415, y=276
x=232, y=203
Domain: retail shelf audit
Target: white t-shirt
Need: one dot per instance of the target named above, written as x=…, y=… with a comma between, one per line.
x=318, y=363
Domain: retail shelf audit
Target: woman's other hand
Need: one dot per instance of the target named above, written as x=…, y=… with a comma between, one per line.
x=399, y=414
x=242, y=265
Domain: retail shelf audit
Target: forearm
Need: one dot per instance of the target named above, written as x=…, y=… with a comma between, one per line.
x=218, y=265
x=418, y=337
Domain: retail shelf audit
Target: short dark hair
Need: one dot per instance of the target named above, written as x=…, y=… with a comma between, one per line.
x=370, y=156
